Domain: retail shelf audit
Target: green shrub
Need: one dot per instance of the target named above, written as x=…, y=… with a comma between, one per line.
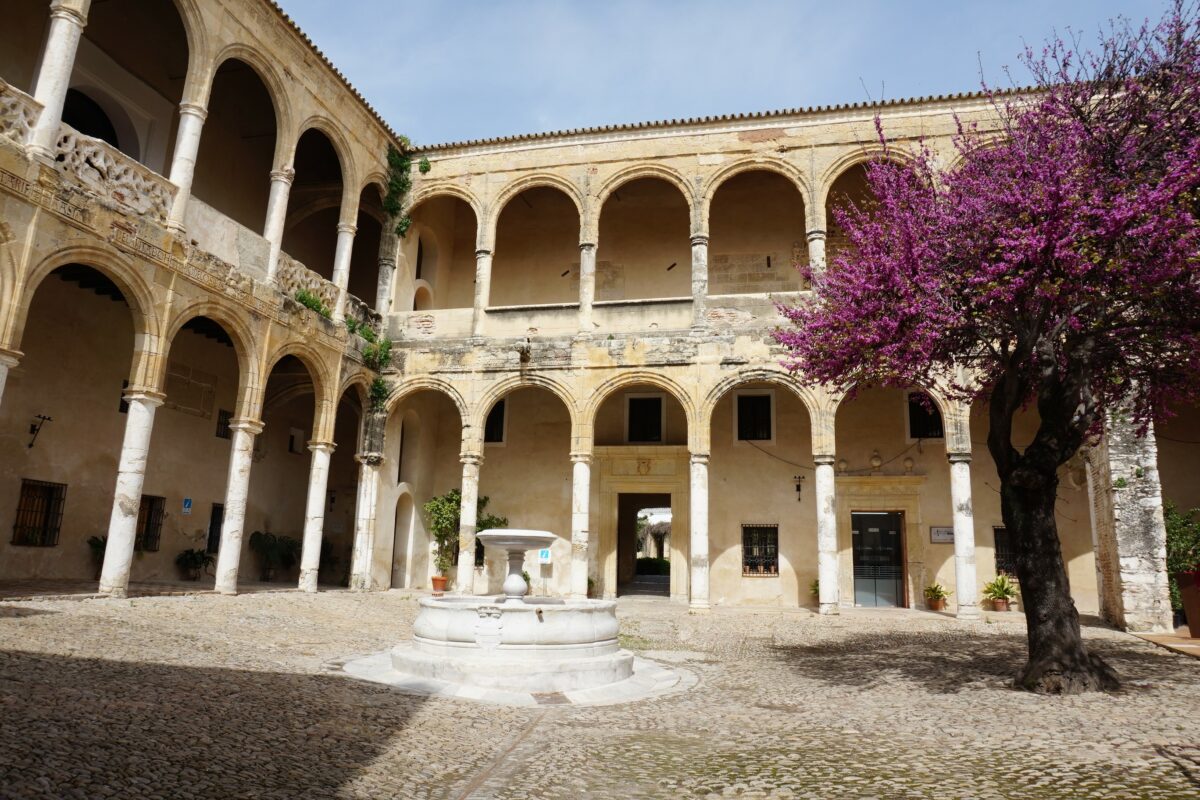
x=935, y=591
x=1001, y=588
x=378, y=393
x=310, y=300
x=653, y=566
x=1183, y=546
x=442, y=513
x=378, y=355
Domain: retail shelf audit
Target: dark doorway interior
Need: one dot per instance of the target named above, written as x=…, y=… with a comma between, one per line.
x=629, y=581
x=878, y=558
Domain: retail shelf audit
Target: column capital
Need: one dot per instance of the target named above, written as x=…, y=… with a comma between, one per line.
x=347, y=227
x=371, y=460
x=471, y=459
x=699, y=458
x=69, y=14
x=824, y=459
x=387, y=261
x=814, y=234
x=285, y=175
x=959, y=458
x=10, y=358
x=480, y=253
x=699, y=239
x=248, y=424
x=581, y=457
x=147, y=397
x=319, y=445
x=587, y=245
x=193, y=110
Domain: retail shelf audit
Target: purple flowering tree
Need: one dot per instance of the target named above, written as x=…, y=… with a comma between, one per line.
x=1058, y=262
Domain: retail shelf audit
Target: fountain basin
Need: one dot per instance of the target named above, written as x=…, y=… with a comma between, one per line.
x=536, y=646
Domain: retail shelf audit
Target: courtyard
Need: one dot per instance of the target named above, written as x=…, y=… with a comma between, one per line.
x=207, y=696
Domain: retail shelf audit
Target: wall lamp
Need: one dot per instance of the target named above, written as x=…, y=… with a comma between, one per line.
x=799, y=479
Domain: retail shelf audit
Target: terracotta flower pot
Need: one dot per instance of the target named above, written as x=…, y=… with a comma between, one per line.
x=936, y=605
x=439, y=585
x=999, y=605
x=1189, y=591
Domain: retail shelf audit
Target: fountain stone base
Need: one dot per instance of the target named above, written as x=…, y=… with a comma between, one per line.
x=536, y=645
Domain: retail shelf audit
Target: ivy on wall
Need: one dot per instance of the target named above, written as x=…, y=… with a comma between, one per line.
x=399, y=182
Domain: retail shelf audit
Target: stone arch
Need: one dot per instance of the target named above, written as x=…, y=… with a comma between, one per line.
x=276, y=90
x=432, y=191
x=640, y=376
x=122, y=271
x=487, y=233
x=848, y=161
x=422, y=298
x=504, y=386
x=324, y=400
x=341, y=148
x=633, y=173
x=245, y=346
x=774, y=377
x=757, y=164
x=411, y=386
x=360, y=379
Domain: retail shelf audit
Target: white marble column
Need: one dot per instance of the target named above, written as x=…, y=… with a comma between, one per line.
x=383, y=291
x=314, y=514
x=183, y=164
x=277, y=205
x=483, y=289
x=131, y=472
x=8, y=361
x=816, y=250
x=364, y=522
x=827, y=546
x=964, y=536
x=54, y=76
x=581, y=493
x=341, y=266
x=587, y=285
x=467, y=520
x=699, y=538
x=237, y=489
x=699, y=281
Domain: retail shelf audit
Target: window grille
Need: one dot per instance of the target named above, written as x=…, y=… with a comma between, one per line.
x=760, y=550
x=924, y=419
x=149, y=523
x=39, y=513
x=754, y=417
x=224, y=417
x=1006, y=557
x=493, y=429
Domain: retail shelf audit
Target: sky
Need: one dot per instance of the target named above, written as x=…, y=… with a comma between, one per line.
x=441, y=71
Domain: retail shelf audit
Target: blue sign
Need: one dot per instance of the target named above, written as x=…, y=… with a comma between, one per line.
x=187, y=506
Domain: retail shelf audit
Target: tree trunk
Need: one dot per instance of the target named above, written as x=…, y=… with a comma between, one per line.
x=1058, y=661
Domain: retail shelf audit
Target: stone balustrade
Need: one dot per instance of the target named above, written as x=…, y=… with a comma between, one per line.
x=362, y=314
x=18, y=113
x=112, y=176
x=294, y=276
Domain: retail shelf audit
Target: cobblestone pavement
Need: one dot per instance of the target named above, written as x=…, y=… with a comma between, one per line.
x=220, y=697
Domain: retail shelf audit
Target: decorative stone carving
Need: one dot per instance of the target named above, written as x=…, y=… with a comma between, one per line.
x=18, y=113
x=112, y=175
x=294, y=276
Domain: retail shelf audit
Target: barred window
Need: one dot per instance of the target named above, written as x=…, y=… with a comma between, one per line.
x=224, y=417
x=39, y=513
x=1006, y=558
x=149, y=523
x=760, y=549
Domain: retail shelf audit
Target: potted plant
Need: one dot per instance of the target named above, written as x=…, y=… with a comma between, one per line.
x=814, y=589
x=274, y=552
x=1183, y=564
x=97, y=545
x=935, y=597
x=192, y=562
x=443, y=512
x=1000, y=591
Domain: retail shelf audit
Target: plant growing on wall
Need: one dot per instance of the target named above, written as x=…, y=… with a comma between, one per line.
x=378, y=394
x=399, y=182
x=377, y=355
x=442, y=513
x=424, y=166
x=310, y=300
x=1054, y=263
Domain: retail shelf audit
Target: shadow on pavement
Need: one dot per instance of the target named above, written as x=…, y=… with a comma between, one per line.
x=70, y=726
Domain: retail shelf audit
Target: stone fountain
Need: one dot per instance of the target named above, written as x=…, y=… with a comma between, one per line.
x=512, y=642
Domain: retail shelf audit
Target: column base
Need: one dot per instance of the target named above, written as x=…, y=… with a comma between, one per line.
x=115, y=594
x=699, y=608
x=308, y=581
x=968, y=613
x=828, y=609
